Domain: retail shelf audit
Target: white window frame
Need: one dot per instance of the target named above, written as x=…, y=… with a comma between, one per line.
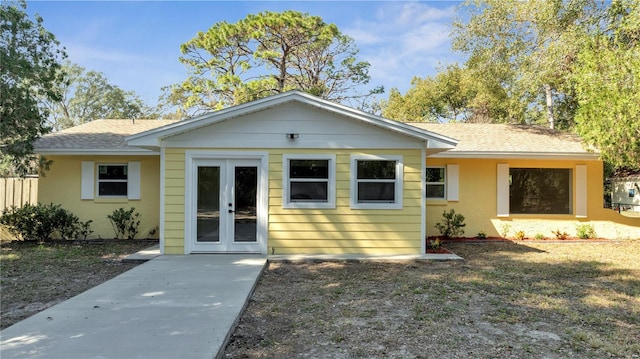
x=397, y=204
x=443, y=183
x=331, y=182
x=98, y=180
x=90, y=180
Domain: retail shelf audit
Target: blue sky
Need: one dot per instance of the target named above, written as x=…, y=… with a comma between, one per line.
x=137, y=44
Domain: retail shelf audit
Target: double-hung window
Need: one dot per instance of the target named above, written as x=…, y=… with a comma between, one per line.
x=436, y=184
x=309, y=181
x=376, y=182
x=112, y=180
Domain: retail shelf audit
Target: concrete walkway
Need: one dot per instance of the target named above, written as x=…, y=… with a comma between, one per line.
x=170, y=307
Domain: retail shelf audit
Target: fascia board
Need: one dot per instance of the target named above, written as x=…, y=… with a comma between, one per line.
x=98, y=152
x=518, y=155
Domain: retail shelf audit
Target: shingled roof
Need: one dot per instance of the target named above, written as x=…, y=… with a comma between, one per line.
x=97, y=136
x=503, y=140
x=475, y=140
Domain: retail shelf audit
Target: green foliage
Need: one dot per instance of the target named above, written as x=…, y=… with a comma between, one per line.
x=42, y=221
x=607, y=81
x=30, y=62
x=520, y=235
x=88, y=95
x=539, y=236
x=529, y=47
x=585, y=231
x=455, y=94
x=452, y=224
x=560, y=235
x=125, y=222
x=481, y=235
x=265, y=54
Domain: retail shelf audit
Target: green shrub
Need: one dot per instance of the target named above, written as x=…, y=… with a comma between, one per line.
x=41, y=221
x=451, y=225
x=482, y=235
x=125, y=223
x=539, y=236
x=520, y=235
x=585, y=231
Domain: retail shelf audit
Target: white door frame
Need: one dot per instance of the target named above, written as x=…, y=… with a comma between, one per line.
x=192, y=159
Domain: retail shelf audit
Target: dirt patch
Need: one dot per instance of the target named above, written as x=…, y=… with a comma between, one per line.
x=507, y=300
x=35, y=276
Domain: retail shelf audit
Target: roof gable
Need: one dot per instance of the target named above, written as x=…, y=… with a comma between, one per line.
x=154, y=137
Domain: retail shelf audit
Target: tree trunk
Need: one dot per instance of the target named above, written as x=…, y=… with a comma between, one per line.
x=548, y=94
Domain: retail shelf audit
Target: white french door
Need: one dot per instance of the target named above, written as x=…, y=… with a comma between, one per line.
x=225, y=196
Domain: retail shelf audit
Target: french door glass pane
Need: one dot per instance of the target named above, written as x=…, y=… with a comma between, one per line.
x=208, y=216
x=246, y=189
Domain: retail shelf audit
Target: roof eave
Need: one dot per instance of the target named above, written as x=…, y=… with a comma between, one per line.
x=519, y=155
x=94, y=152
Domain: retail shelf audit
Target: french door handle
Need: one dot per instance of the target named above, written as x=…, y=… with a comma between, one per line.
x=232, y=211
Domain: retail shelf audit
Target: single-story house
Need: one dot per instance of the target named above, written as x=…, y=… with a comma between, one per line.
x=295, y=174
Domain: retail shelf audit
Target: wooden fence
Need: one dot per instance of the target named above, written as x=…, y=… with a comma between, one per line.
x=18, y=191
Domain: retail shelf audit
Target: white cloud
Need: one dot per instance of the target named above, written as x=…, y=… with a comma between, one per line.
x=402, y=40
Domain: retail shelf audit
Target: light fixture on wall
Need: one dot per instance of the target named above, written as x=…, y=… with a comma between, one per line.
x=292, y=136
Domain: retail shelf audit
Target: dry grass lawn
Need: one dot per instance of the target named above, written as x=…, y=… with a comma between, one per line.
x=506, y=300
x=34, y=277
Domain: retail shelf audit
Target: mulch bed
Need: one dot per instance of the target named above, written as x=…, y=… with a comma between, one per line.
x=501, y=239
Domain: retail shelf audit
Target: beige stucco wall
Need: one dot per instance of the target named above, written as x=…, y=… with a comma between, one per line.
x=478, y=202
x=62, y=184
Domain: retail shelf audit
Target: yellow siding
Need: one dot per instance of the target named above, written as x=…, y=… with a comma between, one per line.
x=315, y=231
x=174, y=201
x=61, y=185
x=344, y=230
x=478, y=203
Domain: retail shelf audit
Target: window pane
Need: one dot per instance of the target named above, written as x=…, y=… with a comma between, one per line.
x=435, y=175
x=208, y=211
x=376, y=169
x=112, y=172
x=540, y=190
x=376, y=192
x=435, y=191
x=309, y=169
x=246, y=217
x=112, y=188
x=309, y=191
